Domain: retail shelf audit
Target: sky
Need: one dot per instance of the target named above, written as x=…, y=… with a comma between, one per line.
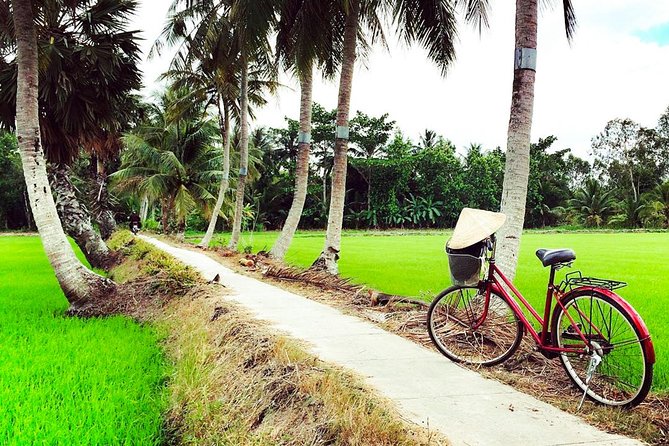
x=617, y=66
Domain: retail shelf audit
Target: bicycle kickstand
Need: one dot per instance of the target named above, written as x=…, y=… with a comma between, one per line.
x=595, y=360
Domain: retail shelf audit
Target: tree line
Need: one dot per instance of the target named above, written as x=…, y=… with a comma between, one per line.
x=392, y=181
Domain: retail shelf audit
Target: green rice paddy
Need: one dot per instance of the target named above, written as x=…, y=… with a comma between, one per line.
x=66, y=380
x=415, y=264
x=101, y=381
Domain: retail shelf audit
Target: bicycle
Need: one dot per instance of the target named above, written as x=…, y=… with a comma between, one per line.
x=601, y=341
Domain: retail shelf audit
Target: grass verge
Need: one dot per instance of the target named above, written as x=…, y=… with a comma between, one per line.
x=236, y=382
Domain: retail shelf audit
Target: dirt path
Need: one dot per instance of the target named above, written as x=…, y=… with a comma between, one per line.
x=427, y=388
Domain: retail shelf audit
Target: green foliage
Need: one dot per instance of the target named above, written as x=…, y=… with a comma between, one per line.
x=593, y=204
x=13, y=194
x=630, y=158
x=150, y=225
x=88, y=72
x=120, y=240
x=553, y=177
x=172, y=160
x=654, y=212
x=369, y=135
x=417, y=190
x=169, y=275
x=68, y=380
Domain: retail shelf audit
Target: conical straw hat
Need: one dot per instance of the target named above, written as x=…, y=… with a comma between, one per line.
x=473, y=226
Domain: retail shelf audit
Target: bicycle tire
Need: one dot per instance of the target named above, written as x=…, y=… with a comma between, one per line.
x=468, y=339
x=624, y=377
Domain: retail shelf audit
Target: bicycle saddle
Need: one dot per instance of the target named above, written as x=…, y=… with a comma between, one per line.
x=551, y=257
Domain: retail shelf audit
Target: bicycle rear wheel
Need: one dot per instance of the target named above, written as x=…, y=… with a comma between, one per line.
x=467, y=327
x=624, y=376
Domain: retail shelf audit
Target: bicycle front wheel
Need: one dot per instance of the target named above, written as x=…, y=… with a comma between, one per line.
x=466, y=327
x=624, y=376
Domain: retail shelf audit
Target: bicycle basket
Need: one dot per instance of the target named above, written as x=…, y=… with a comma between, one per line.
x=465, y=264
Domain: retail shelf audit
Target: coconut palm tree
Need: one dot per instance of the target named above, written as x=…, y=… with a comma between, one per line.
x=430, y=23
x=655, y=208
x=173, y=161
x=250, y=24
x=88, y=69
x=302, y=45
x=210, y=73
x=517, y=169
x=78, y=283
x=593, y=204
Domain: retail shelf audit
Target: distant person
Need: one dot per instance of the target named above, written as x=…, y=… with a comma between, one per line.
x=135, y=222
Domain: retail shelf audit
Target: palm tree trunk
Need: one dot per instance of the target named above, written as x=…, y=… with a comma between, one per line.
x=330, y=255
x=78, y=283
x=26, y=208
x=517, y=170
x=165, y=216
x=144, y=209
x=302, y=171
x=104, y=216
x=76, y=219
x=243, y=157
x=224, y=123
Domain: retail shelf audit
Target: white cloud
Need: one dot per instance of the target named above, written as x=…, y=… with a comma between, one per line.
x=607, y=72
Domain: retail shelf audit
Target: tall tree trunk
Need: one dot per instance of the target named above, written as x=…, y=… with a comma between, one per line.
x=26, y=207
x=78, y=283
x=301, y=172
x=103, y=215
x=369, y=188
x=76, y=219
x=165, y=215
x=517, y=170
x=325, y=190
x=224, y=124
x=330, y=255
x=144, y=209
x=243, y=157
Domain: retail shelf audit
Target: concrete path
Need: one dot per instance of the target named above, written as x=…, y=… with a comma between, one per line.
x=427, y=388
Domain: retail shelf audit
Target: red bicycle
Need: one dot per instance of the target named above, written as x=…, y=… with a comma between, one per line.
x=600, y=339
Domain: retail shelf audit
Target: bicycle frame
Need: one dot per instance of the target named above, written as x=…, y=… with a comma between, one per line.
x=495, y=281
x=542, y=338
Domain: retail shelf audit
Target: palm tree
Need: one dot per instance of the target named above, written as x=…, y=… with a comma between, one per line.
x=593, y=204
x=302, y=44
x=655, y=208
x=428, y=139
x=250, y=24
x=517, y=169
x=78, y=283
x=88, y=69
x=430, y=23
x=210, y=72
x=173, y=161
x=629, y=213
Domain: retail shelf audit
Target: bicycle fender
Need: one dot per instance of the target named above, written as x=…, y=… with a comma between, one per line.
x=636, y=318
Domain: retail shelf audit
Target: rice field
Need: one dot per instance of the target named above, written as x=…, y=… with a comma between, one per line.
x=67, y=380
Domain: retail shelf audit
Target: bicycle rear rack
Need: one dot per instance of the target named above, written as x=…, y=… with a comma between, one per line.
x=575, y=279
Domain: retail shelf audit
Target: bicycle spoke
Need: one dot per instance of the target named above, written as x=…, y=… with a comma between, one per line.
x=458, y=327
x=621, y=377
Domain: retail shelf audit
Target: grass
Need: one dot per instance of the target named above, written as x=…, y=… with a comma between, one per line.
x=237, y=383
x=414, y=264
x=67, y=380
